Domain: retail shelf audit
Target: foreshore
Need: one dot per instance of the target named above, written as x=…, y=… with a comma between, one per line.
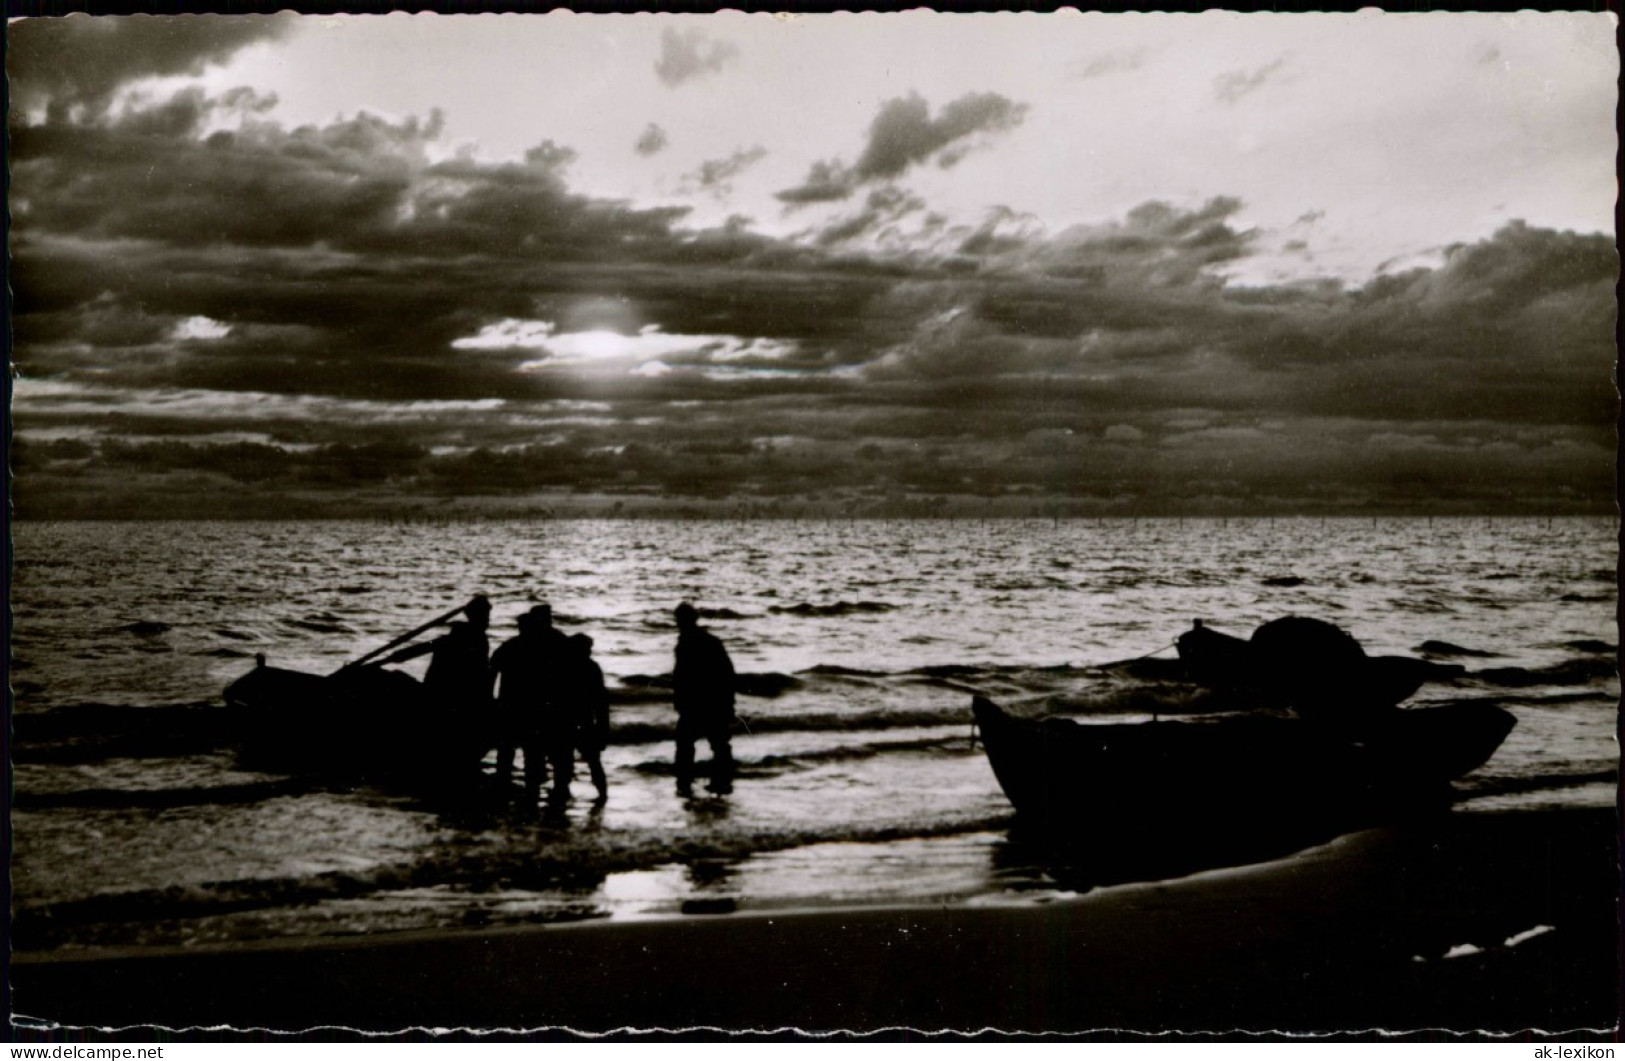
x=1473, y=923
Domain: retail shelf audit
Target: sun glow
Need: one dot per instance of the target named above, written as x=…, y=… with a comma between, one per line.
x=200, y=328
x=648, y=351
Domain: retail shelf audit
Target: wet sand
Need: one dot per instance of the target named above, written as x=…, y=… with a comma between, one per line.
x=1349, y=937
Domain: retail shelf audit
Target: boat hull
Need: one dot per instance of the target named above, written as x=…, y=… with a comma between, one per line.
x=1239, y=777
x=363, y=723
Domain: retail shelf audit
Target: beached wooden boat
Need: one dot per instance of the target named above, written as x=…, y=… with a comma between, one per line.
x=359, y=722
x=1232, y=776
x=1305, y=664
x=362, y=721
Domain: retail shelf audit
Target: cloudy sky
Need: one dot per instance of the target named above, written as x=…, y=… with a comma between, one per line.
x=1094, y=264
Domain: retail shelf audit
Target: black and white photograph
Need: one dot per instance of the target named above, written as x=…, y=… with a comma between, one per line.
x=900, y=525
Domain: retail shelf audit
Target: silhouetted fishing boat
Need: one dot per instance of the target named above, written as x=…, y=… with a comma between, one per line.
x=1232, y=776
x=360, y=722
x=1305, y=664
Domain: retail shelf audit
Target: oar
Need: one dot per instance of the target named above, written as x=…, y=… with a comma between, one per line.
x=409, y=635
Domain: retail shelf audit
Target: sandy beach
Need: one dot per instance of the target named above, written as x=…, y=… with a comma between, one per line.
x=1472, y=923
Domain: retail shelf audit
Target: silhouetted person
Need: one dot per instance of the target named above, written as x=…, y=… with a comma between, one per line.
x=457, y=682
x=585, y=702
x=525, y=670
x=703, y=692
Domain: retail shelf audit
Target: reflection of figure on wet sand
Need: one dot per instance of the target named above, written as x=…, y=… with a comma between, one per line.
x=456, y=683
x=714, y=885
x=703, y=693
x=526, y=667
x=584, y=703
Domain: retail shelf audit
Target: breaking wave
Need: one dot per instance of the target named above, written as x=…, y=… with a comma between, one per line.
x=832, y=611
x=569, y=861
x=1568, y=672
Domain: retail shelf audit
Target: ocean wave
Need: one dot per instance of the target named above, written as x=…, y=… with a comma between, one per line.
x=1428, y=605
x=765, y=685
x=1147, y=668
x=77, y=733
x=158, y=798
x=1568, y=672
x=958, y=713
x=1445, y=648
x=957, y=744
x=835, y=610
x=817, y=698
x=637, y=689
x=979, y=677
x=958, y=678
x=145, y=628
x=950, y=670
x=776, y=764
x=835, y=670
x=567, y=861
x=46, y=925
x=1551, y=699
x=722, y=613
x=319, y=626
x=1472, y=787
x=647, y=688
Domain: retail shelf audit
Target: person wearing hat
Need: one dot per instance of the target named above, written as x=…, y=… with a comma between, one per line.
x=456, y=680
x=524, y=669
x=703, y=693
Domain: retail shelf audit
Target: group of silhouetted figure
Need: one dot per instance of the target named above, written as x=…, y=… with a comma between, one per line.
x=543, y=694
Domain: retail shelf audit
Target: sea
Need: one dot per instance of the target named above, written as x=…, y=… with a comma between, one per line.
x=860, y=644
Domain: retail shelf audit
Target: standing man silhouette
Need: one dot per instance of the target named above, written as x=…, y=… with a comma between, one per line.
x=526, y=671
x=703, y=693
x=584, y=718
x=457, y=682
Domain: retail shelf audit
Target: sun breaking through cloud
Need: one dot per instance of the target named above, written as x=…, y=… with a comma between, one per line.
x=398, y=309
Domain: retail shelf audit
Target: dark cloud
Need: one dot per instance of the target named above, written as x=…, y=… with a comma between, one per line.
x=1156, y=246
x=1004, y=231
x=828, y=181
x=715, y=175
x=904, y=134
x=688, y=54
x=74, y=64
x=877, y=221
x=180, y=353
x=651, y=141
x=1469, y=339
